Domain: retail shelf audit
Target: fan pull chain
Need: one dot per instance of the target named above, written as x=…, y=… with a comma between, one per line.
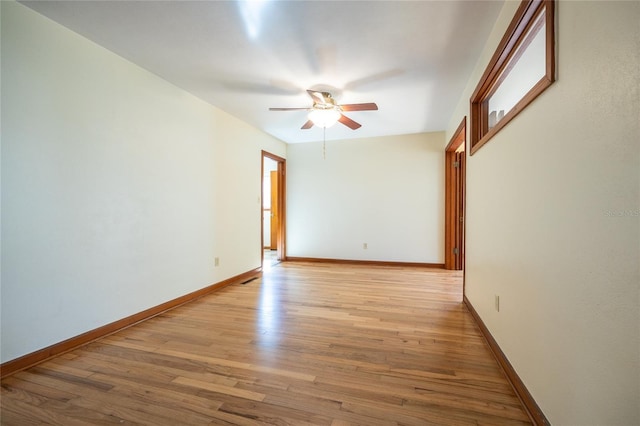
x=324, y=143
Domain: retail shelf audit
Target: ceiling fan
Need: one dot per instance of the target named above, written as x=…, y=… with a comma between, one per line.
x=325, y=111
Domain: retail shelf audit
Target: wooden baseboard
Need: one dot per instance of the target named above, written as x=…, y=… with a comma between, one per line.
x=364, y=262
x=31, y=359
x=531, y=406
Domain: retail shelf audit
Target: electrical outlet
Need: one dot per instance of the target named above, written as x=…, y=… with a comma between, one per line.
x=365, y=246
x=216, y=261
x=497, y=303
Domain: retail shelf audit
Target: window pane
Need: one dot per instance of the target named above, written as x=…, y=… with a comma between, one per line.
x=524, y=70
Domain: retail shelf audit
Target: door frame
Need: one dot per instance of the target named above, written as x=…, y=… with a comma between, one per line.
x=282, y=191
x=455, y=193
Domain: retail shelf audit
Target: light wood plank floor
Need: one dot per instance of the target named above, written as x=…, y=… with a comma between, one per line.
x=319, y=344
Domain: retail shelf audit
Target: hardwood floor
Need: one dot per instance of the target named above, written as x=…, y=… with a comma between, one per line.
x=319, y=344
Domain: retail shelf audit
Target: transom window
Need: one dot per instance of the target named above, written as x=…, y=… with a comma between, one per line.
x=522, y=67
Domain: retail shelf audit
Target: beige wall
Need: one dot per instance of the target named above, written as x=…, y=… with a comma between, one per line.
x=553, y=222
x=387, y=192
x=116, y=191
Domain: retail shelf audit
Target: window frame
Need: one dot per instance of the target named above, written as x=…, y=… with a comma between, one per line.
x=515, y=37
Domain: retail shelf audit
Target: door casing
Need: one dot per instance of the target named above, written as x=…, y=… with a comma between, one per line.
x=455, y=171
x=280, y=206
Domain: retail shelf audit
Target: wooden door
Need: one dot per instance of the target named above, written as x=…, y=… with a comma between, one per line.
x=459, y=210
x=275, y=214
x=454, y=199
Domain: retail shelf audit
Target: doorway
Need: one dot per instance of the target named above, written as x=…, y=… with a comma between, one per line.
x=455, y=170
x=273, y=210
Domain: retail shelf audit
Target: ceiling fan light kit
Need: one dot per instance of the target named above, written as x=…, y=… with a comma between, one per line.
x=325, y=112
x=324, y=117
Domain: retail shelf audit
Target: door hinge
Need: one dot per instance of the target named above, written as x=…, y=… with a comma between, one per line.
x=461, y=219
x=456, y=251
x=456, y=164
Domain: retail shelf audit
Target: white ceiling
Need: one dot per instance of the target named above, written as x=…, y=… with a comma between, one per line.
x=413, y=58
